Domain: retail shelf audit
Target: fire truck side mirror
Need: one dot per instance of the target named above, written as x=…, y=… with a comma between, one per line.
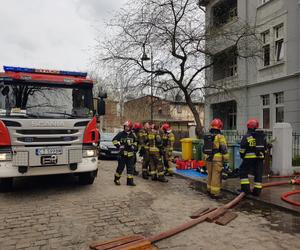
x=101, y=107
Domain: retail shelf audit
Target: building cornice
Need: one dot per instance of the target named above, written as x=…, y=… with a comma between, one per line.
x=259, y=83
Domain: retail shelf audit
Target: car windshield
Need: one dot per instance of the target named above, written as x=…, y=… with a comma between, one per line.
x=45, y=100
x=107, y=136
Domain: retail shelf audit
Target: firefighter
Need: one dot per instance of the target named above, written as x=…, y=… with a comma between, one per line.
x=168, y=140
x=216, y=156
x=137, y=127
x=144, y=151
x=155, y=143
x=126, y=142
x=252, y=151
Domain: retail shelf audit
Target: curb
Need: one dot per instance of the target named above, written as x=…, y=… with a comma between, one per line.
x=203, y=183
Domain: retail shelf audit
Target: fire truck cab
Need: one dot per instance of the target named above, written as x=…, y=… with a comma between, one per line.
x=48, y=124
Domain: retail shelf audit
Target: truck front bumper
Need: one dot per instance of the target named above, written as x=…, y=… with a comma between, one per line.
x=87, y=165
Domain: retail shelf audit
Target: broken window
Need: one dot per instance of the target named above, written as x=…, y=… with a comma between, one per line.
x=279, y=43
x=224, y=12
x=225, y=64
x=227, y=112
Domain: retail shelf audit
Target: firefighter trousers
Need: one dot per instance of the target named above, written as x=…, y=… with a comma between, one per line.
x=146, y=163
x=166, y=160
x=123, y=162
x=255, y=167
x=156, y=166
x=214, y=170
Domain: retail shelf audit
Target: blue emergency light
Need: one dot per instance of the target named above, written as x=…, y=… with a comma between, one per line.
x=44, y=71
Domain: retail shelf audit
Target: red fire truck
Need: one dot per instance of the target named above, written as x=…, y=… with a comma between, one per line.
x=48, y=124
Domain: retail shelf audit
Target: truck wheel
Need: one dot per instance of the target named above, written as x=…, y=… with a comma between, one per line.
x=87, y=178
x=6, y=184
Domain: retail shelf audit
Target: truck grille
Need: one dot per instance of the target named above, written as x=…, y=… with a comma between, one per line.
x=44, y=136
x=47, y=132
x=49, y=139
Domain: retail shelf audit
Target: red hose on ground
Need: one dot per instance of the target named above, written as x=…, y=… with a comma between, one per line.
x=284, y=176
x=276, y=183
x=285, y=196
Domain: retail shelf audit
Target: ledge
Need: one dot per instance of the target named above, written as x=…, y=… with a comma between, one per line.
x=271, y=66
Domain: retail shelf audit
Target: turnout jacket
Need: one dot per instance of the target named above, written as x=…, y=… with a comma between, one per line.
x=220, y=149
x=168, y=140
x=126, y=142
x=253, y=147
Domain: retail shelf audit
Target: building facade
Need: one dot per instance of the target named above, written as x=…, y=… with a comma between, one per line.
x=266, y=85
x=178, y=114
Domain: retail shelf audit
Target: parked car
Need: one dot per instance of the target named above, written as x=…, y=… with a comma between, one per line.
x=107, y=148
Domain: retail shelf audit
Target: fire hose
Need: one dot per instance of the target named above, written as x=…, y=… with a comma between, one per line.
x=133, y=242
x=285, y=196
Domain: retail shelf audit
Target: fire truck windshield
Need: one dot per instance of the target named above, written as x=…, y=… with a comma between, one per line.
x=40, y=100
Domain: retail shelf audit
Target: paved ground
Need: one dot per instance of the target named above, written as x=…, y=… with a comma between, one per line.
x=55, y=213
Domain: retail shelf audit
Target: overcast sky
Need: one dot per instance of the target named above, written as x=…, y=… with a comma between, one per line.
x=54, y=34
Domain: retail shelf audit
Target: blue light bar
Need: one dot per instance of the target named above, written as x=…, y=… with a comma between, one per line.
x=44, y=71
x=18, y=69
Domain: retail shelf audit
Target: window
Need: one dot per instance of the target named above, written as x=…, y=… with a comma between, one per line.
x=279, y=43
x=266, y=111
x=227, y=112
x=279, y=98
x=266, y=55
x=224, y=12
x=280, y=114
x=279, y=106
x=265, y=100
x=266, y=118
x=265, y=37
x=225, y=64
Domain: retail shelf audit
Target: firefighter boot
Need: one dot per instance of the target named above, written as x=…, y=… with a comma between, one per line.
x=117, y=179
x=145, y=174
x=153, y=177
x=245, y=188
x=130, y=182
x=162, y=178
x=169, y=172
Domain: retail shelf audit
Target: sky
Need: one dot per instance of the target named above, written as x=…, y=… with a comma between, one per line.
x=52, y=34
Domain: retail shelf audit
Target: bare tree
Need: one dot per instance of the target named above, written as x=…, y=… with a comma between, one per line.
x=173, y=34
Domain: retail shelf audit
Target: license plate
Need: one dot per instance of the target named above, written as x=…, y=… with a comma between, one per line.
x=114, y=152
x=49, y=151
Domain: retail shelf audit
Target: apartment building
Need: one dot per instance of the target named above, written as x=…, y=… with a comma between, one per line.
x=266, y=85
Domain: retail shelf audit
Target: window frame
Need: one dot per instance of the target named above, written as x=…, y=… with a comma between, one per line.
x=266, y=45
x=266, y=106
x=279, y=43
x=279, y=104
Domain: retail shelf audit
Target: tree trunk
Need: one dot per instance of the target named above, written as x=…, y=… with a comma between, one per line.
x=199, y=125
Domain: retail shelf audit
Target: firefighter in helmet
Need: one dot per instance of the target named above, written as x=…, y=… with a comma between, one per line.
x=144, y=151
x=154, y=142
x=126, y=142
x=252, y=151
x=168, y=140
x=216, y=156
x=137, y=132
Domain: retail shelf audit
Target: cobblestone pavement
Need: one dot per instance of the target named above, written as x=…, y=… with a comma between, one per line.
x=55, y=213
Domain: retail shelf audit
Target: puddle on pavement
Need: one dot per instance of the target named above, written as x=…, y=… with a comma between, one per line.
x=279, y=219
